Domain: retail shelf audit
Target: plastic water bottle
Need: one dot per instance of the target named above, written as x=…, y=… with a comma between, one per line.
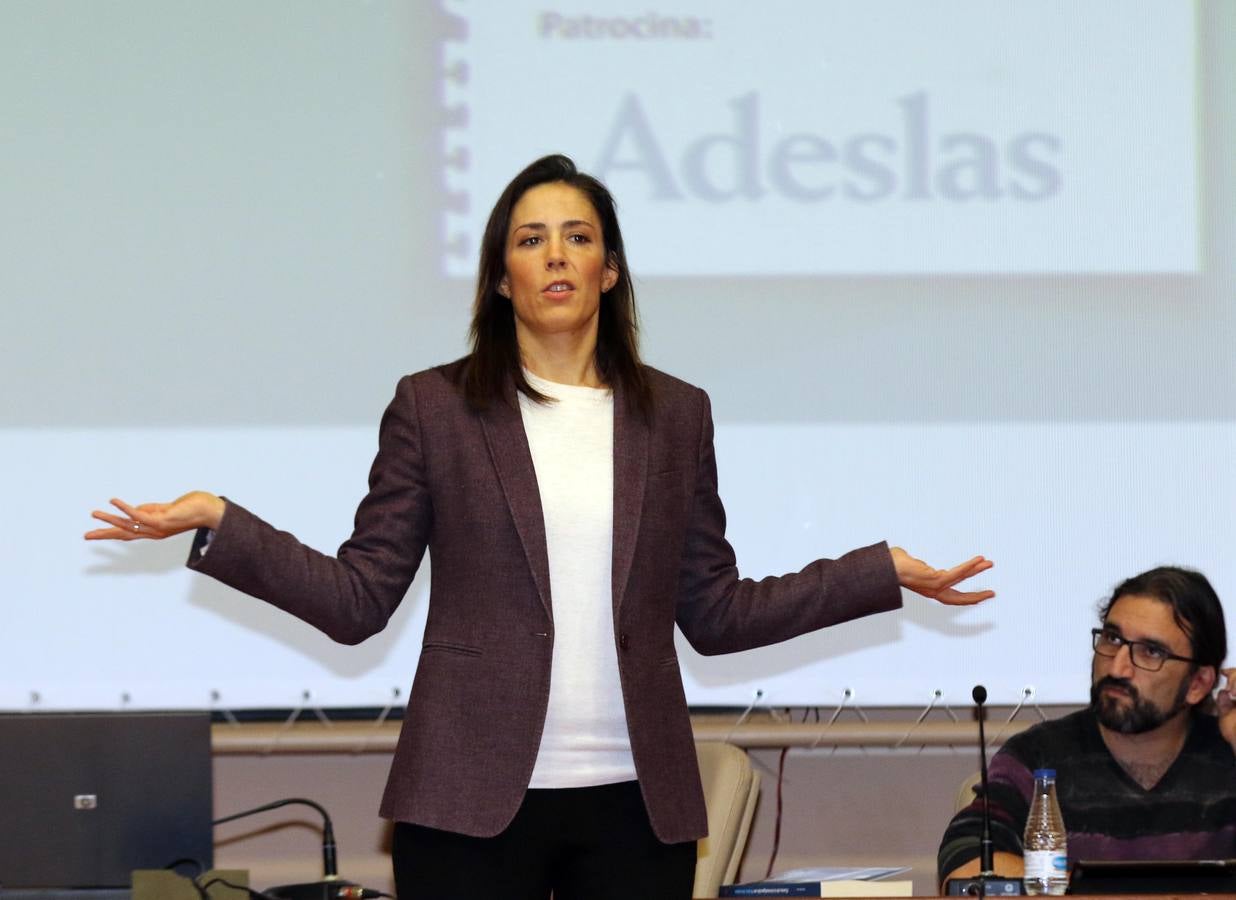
x=1045, y=848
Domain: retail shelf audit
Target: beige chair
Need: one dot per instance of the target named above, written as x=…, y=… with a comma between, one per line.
x=730, y=790
x=965, y=792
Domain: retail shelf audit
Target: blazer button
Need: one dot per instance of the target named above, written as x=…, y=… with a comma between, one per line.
x=622, y=640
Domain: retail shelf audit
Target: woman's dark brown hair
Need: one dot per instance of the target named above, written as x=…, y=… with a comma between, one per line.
x=494, y=361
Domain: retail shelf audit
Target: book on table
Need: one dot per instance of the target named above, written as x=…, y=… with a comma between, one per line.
x=827, y=882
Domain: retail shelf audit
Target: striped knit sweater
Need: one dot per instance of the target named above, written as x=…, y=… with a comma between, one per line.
x=1189, y=814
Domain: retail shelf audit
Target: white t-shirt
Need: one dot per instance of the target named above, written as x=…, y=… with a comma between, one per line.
x=585, y=741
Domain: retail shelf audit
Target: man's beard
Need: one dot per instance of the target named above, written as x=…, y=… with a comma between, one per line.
x=1137, y=716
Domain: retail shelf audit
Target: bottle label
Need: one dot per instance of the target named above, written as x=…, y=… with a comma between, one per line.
x=1046, y=863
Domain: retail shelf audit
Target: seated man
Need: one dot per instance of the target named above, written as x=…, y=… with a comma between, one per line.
x=1143, y=772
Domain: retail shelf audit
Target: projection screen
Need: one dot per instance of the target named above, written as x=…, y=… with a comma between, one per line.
x=958, y=275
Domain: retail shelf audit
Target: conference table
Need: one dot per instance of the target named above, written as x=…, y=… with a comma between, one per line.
x=120, y=894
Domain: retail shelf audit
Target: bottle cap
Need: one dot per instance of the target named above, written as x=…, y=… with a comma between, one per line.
x=1044, y=773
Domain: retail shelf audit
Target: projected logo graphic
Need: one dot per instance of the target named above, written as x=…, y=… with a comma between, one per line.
x=909, y=163
x=831, y=138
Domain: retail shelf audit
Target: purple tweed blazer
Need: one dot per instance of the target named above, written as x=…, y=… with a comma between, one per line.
x=461, y=484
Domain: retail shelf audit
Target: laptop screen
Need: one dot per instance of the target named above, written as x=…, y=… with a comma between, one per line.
x=87, y=798
x=1152, y=876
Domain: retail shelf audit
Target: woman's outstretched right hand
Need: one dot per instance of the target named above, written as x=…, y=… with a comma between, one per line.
x=155, y=521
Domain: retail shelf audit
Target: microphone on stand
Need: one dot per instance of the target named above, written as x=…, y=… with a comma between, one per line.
x=986, y=869
x=987, y=883
x=331, y=887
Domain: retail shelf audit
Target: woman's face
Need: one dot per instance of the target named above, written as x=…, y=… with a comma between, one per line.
x=556, y=264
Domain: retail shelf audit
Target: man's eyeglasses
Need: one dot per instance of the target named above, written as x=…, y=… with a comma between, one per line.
x=1143, y=654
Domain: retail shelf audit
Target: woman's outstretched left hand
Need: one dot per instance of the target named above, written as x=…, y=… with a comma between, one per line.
x=938, y=584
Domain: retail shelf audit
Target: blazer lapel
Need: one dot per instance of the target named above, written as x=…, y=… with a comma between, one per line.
x=630, y=475
x=508, y=446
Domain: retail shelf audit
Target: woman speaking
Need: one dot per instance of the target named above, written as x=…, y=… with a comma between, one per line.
x=567, y=495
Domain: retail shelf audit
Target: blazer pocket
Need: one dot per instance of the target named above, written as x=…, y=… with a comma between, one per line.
x=676, y=472
x=450, y=647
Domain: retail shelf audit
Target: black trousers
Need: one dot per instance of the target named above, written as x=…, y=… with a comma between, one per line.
x=591, y=843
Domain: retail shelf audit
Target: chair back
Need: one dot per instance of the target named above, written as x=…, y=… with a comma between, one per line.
x=731, y=787
x=966, y=792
